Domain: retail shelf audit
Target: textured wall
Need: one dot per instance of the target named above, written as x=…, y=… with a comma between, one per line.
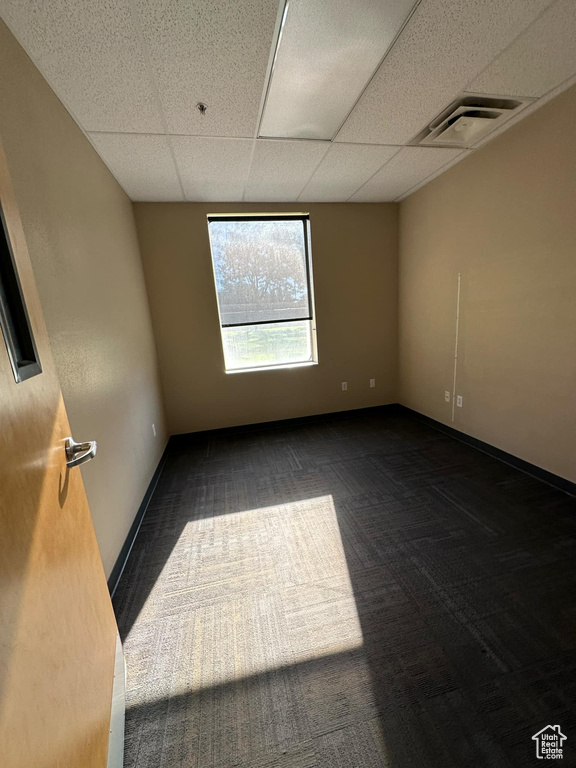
x=505, y=219
x=80, y=231
x=354, y=260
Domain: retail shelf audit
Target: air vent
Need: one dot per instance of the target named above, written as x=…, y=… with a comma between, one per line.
x=468, y=120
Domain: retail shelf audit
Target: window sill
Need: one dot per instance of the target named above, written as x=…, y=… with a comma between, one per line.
x=283, y=367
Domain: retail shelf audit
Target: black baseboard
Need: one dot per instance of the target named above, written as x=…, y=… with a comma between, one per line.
x=524, y=466
x=122, y=559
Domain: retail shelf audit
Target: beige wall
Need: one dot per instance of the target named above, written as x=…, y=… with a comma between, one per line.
x=354, y=260
x=80, y=230
x=505, y=219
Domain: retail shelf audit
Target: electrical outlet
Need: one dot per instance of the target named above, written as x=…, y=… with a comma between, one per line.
x=154, y=429
x=459, y=401
x=372, y=382
x=447, y=396
x=344, y=386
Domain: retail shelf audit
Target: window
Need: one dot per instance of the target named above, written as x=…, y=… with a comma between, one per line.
x=14, y=320
x=264, y=286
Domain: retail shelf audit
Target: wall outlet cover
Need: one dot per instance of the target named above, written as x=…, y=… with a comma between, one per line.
x=459, y=401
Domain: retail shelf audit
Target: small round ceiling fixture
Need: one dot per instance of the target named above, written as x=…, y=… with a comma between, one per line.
x=202, y=108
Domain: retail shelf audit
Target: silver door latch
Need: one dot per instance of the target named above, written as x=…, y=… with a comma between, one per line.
x=79, y=453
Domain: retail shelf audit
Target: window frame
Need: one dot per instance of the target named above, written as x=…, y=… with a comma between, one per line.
x=15, y=325
x=311, y=317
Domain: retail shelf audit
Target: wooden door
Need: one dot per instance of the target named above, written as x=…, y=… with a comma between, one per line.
x=57, y=628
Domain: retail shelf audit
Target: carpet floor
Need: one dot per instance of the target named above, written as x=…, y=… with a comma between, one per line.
x=353, y=592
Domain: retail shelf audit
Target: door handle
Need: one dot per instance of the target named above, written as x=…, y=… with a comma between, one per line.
x=79, y=453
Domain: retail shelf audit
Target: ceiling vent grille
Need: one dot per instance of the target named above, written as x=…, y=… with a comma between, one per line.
x=467, y=121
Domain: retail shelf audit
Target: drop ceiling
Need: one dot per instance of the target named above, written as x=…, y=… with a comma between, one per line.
x=131, y=72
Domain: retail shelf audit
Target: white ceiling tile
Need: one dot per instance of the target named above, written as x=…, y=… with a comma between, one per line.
x=215, y=52
x=411, y=166
x=212, y=170
x=344, y=168
x=443, y=46
x=89, y=52
x=143, y=165
x=281, y=169
x=538, y=60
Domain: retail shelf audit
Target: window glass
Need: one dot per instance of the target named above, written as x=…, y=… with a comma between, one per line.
x=248, y=346
x=260, y=269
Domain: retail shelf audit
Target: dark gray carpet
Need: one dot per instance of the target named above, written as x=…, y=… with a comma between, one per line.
x=356, y=592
